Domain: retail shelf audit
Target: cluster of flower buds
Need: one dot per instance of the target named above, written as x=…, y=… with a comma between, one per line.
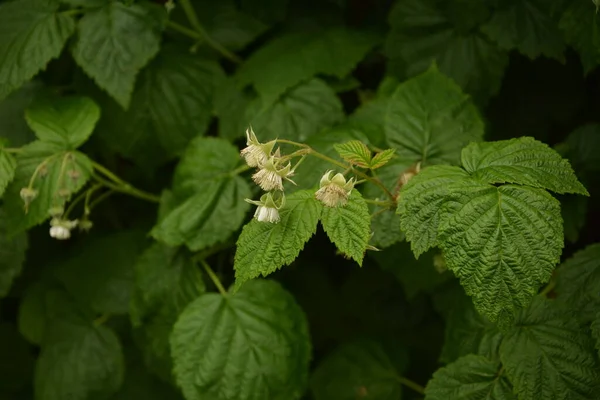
x=273, y=169
x=334, y=192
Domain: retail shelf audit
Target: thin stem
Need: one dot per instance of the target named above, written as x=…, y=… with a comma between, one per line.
x=184, y=30
x=72, y=13
x=11, y=150
x=385, y=203
x=195, y=22
x=101, y=319
x=413, y=385
x=214, y=278
x=99, y=199
x=86, y=194
x=122, y=186
x=337, y=163
x=548, y=288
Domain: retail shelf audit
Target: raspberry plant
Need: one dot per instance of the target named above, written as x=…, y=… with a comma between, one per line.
x=279, y=200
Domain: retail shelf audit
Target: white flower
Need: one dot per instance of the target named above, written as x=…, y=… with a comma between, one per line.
x=268, y=209
x=60, y=232
x=334, y=192
x=256, y=153
x=270, y=177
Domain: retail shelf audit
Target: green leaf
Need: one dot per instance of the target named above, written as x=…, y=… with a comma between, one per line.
x=166, y=281
x=581, y=28
x=523, y=160
x=106, y=282
x=265, y=10
x=301, y=112
x=596, y=331
x=7, y=169
x=468, y=332
x=355, y=152
x=578, y=282
x=349, y=227
x=514, y=231
x=171, y=105
x=380, y=159
x=296, y=57
x=546, y=355
x=16, y=361
x=253, y=345
x=12, y=111
x=32, y=312
x=54, y=172
x=422, y=33
x=230, y=106
x=429, y=119
x=79, y=359
x=528, y=26
x=360, y=369
x=471, y=377
x=32, y=32
x=12, y=255
x=210, y=202
x=115, y=42
x=65, y=122
x=263, y=248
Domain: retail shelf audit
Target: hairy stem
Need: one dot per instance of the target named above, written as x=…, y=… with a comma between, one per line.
x=119, y=185
x=214, y=278
x=413, y=385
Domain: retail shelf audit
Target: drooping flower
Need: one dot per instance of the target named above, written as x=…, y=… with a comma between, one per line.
x=61, y=228
x=256, y=153
x=270, y=176
x=334, y=192
x=268, y=207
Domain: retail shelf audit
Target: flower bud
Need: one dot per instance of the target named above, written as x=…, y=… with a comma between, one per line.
x=60, y=232
x=56, y=211
x=334, y=192
x=256, y=153
x=28, y=194
x=268, y=208
x=85, y=225
x=270, y=177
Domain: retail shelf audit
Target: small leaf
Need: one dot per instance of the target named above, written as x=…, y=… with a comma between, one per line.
x=581, y=28
x=32, y=33
x=166, y=281
x=78, y=358
x=380, y=159
x=263, y=248
x=7, y=169
x=12, y=255
x=525, y=161
x=257, y=338
x=301, y=112
x=355, y=152
x=66, y=122
x=115, y=42
x=360, y=369
x=349, y=226
x=296, y=57
x=546, y=355
x=471, y=377
x=578, y=282
x=106, y=283
x=57, y=175
x=528, y=26
x=209, y=203
x=429, y=119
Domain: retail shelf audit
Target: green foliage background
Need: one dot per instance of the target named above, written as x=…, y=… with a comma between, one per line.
x=477, y=279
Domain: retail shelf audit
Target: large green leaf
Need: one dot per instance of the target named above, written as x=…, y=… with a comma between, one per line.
x=16, y=361
x=360, y=369
x=166, y=281
x=115, y=42
x=301, y=112
x=32, y=32
x=578, y=282
x=525, y=161
x=471, y=377
x=263, y=248
x=547, y=356
x=349, y=227
x=105, y=284
x=209, y=202
x=293, y=58
x=12, y=255
x=581, y=27
x=526, y=25
x=66, y=122
x=7, y=169
x=79, y=358
x=429, y=119
x=253, y=345
x=12, y=115
x=422, y=33
x=172, y=104
x=596, y=331
x=58, y=174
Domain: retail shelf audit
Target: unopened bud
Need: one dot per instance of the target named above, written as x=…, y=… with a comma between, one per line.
x=56, y=211
x=334, y=192
x=28, y=194
x=85, y=225
x=60, y=232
